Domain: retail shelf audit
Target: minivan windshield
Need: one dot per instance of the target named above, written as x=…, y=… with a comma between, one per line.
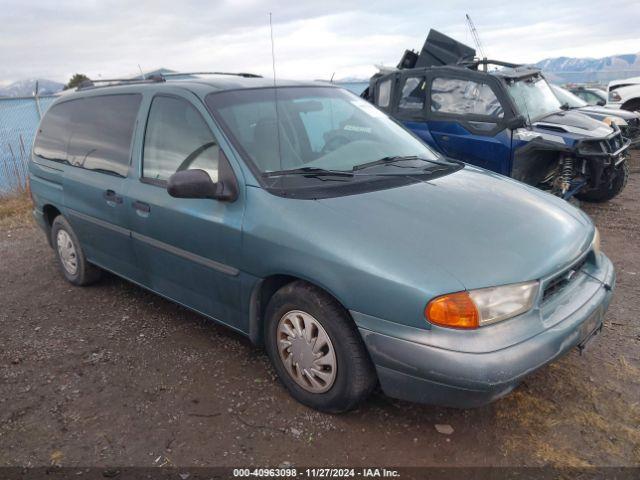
x=533, y=97
x=310, y=131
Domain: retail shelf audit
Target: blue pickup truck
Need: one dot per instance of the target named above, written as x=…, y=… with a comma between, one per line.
x=503, y=117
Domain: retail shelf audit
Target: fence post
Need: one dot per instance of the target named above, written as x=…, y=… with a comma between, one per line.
x=38, y=105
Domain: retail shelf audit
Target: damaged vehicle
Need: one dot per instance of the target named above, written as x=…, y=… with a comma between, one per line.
x=628, y=122
x=503, y=117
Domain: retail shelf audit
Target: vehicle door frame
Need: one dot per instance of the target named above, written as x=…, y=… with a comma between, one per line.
x=136, y=178
x=468, y=120
x=197, y=102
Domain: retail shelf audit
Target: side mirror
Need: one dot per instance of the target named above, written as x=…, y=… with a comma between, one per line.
x=516, y=122
x=601, y=103
x=197, y=183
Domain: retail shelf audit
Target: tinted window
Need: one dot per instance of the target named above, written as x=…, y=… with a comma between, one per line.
x=413, y=93
x=177, y=138
x=53, y=134
x=93, y=133
x=451, y=95
x=102, y=131
x=384, y=93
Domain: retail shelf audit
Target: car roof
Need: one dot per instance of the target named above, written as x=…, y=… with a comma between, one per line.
x=202, y=85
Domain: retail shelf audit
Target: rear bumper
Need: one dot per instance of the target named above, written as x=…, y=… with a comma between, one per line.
x=416, y=368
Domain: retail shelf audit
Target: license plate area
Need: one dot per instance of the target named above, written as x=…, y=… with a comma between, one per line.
x=589, y=329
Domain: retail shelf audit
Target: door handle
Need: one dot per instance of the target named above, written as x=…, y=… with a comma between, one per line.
x=112, y=197
x=141, y=206
x=445, y=138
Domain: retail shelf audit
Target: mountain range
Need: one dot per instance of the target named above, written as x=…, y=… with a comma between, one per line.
x=27, y=88
x=584, y=70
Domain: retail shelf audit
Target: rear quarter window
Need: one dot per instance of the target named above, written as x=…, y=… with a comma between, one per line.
x=94, y=133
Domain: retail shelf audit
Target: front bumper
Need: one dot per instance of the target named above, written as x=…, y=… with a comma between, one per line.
x=439, y=366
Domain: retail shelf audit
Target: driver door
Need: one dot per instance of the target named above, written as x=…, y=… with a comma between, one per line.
x=187, y=249
x=466, y=115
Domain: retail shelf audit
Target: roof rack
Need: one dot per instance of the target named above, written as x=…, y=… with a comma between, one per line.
x=238, y=74
x=90, y=83
x=485, y=62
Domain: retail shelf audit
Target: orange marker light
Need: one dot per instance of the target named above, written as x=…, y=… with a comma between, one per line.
x=455, y=310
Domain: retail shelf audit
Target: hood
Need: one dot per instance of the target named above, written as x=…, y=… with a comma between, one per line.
x=479, y=227
x=608, y=112
x=573, y=122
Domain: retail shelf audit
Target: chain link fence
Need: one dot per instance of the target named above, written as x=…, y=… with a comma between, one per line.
x=19, y=119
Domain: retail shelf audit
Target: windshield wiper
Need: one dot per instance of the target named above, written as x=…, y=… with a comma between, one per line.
x=308, y=171
x=391, y=160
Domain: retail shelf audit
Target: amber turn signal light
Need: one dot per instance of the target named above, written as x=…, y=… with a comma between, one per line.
x=455, y=310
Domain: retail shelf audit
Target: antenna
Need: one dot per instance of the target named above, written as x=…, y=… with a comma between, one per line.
x=141, y=72
x=275, y=91
x=476, y=38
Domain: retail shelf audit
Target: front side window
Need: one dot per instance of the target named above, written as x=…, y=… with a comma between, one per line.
x=413, y=94
x=93, y=133
x=177, y=138
x=383, y=96
x=464, y=97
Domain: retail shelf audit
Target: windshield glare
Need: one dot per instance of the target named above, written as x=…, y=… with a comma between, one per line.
x=566, y=97
x=287, y=128
x=533, y=97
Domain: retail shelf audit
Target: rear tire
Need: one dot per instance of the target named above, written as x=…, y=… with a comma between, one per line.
x=341, y=375
x=609, y=189
x=71, y=258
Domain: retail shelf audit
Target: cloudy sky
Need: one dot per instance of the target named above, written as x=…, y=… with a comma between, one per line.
x=313, y=39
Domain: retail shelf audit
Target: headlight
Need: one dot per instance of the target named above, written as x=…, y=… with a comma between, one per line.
x=595, y=243
x=621, y=122
x=476, y=308
x=614, y=97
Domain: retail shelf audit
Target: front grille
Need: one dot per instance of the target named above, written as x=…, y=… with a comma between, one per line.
x=562, y=280
x=614, y=143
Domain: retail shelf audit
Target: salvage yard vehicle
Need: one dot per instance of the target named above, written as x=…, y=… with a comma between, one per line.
x=627, y=122
x=306, y=219
x=624, y=94
x=507, y=120
x=593, y=96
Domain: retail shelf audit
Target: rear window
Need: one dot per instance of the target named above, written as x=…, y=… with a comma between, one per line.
x=93, y=133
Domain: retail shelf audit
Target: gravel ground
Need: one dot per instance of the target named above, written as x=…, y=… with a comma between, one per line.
x=111, y=375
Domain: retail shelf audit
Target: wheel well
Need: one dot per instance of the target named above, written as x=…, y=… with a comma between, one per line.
x=260, y=297
x=633, y=104
x=50, y=213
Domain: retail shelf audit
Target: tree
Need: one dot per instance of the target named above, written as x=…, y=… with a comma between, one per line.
x=76, y=80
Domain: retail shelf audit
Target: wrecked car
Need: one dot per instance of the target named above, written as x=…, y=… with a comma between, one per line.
x=503, y=117
x=628, y=122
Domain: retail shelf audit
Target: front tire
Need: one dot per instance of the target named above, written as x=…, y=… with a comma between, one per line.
x=316, y=349
x=71, y=258
x=611, y=187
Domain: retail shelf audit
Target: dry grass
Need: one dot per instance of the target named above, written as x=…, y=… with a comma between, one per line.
x=15, y=210
x=547, y=419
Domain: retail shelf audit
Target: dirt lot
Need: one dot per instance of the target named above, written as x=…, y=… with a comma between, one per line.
x=114, y=375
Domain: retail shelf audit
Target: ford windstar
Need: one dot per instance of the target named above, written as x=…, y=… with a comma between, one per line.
x=305, y=218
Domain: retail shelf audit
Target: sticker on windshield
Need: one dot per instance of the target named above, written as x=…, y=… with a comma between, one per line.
x=357, y=128
x=367, y=108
